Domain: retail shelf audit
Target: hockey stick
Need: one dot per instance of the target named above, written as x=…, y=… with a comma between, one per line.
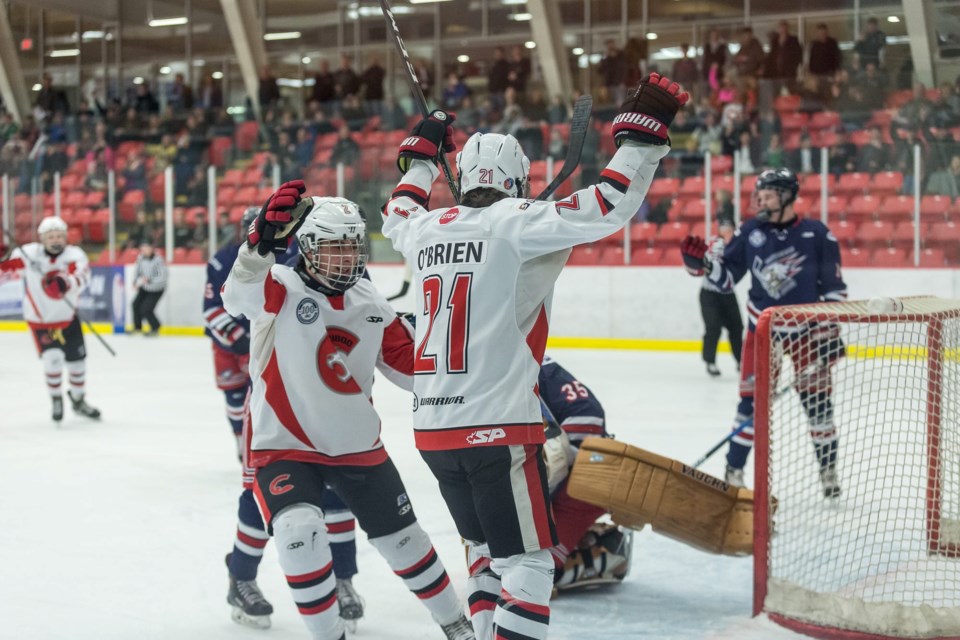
x=407, y=276
x=579, y=123
x=414, y=84
x=717, y=447
x=36, y=267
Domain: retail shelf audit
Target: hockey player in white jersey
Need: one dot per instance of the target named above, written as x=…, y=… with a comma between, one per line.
x=318, y=331
x=484, y=273
x=54, y=273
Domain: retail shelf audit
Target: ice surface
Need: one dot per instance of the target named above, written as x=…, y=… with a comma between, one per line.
x=118, y=529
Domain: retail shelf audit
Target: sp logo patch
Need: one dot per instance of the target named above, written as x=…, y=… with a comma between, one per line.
x=485, y=436
x=308, y=311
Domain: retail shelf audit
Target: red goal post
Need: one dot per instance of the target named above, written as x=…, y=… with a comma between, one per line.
x=883, y=559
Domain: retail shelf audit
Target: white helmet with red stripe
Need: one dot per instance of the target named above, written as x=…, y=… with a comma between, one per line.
x=53, y=234
x=493, y=161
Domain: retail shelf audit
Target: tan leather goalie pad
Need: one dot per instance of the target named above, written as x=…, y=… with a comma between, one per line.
x=639, y=488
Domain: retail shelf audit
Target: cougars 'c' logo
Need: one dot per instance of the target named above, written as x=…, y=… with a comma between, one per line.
x=331, y=363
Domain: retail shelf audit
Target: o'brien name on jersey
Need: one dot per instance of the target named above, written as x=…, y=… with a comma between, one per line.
x=464, y=252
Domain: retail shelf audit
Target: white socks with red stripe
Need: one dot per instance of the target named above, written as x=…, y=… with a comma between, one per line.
x=483, y=590
x=53, y=369
x=411, y=555
x=77, y=373
x=523, y=609
x=304, y=554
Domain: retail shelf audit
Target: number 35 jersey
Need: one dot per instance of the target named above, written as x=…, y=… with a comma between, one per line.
x=312, y=362
x=484, y=282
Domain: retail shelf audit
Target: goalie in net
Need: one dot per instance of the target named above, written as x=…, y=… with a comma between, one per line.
x=792, y=261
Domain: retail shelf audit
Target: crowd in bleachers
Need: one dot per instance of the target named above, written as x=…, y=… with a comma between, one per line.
x=760, y=108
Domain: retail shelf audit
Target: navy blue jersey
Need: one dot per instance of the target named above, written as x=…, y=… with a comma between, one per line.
x=218, y=324
x=572, y=404
x=795, y=264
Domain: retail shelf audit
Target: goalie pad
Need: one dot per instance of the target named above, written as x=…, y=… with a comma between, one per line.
x=639, y=488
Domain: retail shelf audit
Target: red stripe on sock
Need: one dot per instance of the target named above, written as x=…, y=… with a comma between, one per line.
x=320, y=608
x=257, y=543
x=543, y=610
x=306, y=577
x=341, y=527
x=440, y=587
x=424, y=560
x=482, y=605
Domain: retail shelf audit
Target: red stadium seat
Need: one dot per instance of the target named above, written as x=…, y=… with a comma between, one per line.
x=538, y=170
x=931, y=258
x=722, y=183
x=694, y=210
x=133, y=201
x=232, y=178
x=673, y=233
x=896, y=208
x=721, y=164
x=252, y=177
x=825, y=120
x=94, y=199
x=903, y=233
x=844, y=231
x=862, y=207
x=179, y=255
x=613, y=257
x=934, y=206
x=890, y=257
x=855, y=257
x=663, y=188
x=615, y=239
x=853, y=183
x=219, y=149
x=642, y=234
x=693, y=186
x=944, y=233
x=786, y=103
x=584, y=255
x=793, y=121
x=246, y=136
x=195, y=256
x=810, y=184
x=886, y=183
x=875, y=234
x=647, y=257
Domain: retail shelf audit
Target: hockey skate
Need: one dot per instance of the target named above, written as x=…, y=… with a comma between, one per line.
x=830, y=482
x=57, y=408
x=460, y=629
x=734, y=477
x=713, y=370
x=351, y=604
x=248, y=605
x=603, y=557
x=81, y=408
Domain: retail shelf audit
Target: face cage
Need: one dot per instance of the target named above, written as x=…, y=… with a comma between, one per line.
x=336, y=264
x=765, y=214
x=47, y=240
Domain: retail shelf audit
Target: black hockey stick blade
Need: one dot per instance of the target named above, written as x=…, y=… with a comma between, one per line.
x=582, y=109
x=414, y=84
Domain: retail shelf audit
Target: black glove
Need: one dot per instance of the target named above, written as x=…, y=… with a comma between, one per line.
x=647, y=114
x=427, y=138
x=235, y=338
x=693, y=249
x=277, y=222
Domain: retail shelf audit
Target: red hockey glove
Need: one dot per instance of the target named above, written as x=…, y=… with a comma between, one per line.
x=55, y=285
x=427, y=138
x=693, y=249
x=647, y=114
x=277, y=220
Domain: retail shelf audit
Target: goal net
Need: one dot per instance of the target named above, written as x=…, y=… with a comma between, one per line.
x=882, y=558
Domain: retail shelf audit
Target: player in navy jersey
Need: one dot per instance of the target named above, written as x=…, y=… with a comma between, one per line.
x=792, y=260
x=588, y=552
x=231, y=348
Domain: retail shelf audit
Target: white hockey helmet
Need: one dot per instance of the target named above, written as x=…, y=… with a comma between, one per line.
x=493, y=161
x=332, y=241
x=53, y=234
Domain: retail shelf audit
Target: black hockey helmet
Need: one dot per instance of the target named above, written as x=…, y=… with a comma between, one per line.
x=782, y=180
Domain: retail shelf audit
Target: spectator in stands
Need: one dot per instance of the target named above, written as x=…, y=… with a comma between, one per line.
x=556, y=148
x=149, y=281
x=870, y=46
x=873, y=85
x=685, y=69
x=902, y=156
x=135, y=173
x=346, y=151
x=941, y=147
x=691, y=160
x=50, y=99
x=613, y=70
x=917, y=108
x=324, y=88
x=346, y=80
x=767, y=124
x=145, y=102
x=748, y=153
x=96, y=178
x=268, y=92
x=559, y=111
x=850, y=104
x=180, y=95
x=773, y=156
x=142, y=231
x=536, y=106
x=319, y=124
x=424, y=76
x=222, y=124
x=805, y=158
x=194, y=193
x=182, y=233
x=372, y=81
x=53, y=160
x=635, y=53
x=942, y=114
x=530, y=137
x=749, y=58
x=825, y=57
x=304, y=149
x=946, y=181
x=352, y=113
x=210, y=95
x=811, y=98
x=872, y=157
x=709, y=134
x=453, y=93
x=468, y=116
x=498, y=79
x=393, y=117
x=842, y=155
x=682, y=129
x=724, y=205
x=784, y=59
x=519, y=72
x=8, y=128
x=714, y=57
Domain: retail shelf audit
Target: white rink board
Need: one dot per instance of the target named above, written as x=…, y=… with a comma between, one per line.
x=117, y=530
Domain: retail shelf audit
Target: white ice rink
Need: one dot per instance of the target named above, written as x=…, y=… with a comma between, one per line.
x=118, y=529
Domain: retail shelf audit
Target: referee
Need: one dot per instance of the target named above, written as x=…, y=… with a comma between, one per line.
x=149, y=281
x=720, y=309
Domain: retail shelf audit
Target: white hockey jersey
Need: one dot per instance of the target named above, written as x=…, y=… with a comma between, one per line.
x=312, y=361
x=484, y=285
x=39, y=309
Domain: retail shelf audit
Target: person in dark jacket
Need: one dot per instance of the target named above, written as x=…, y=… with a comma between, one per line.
x=824, y=56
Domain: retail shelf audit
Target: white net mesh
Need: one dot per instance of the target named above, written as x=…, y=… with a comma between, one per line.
x=883, y=557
